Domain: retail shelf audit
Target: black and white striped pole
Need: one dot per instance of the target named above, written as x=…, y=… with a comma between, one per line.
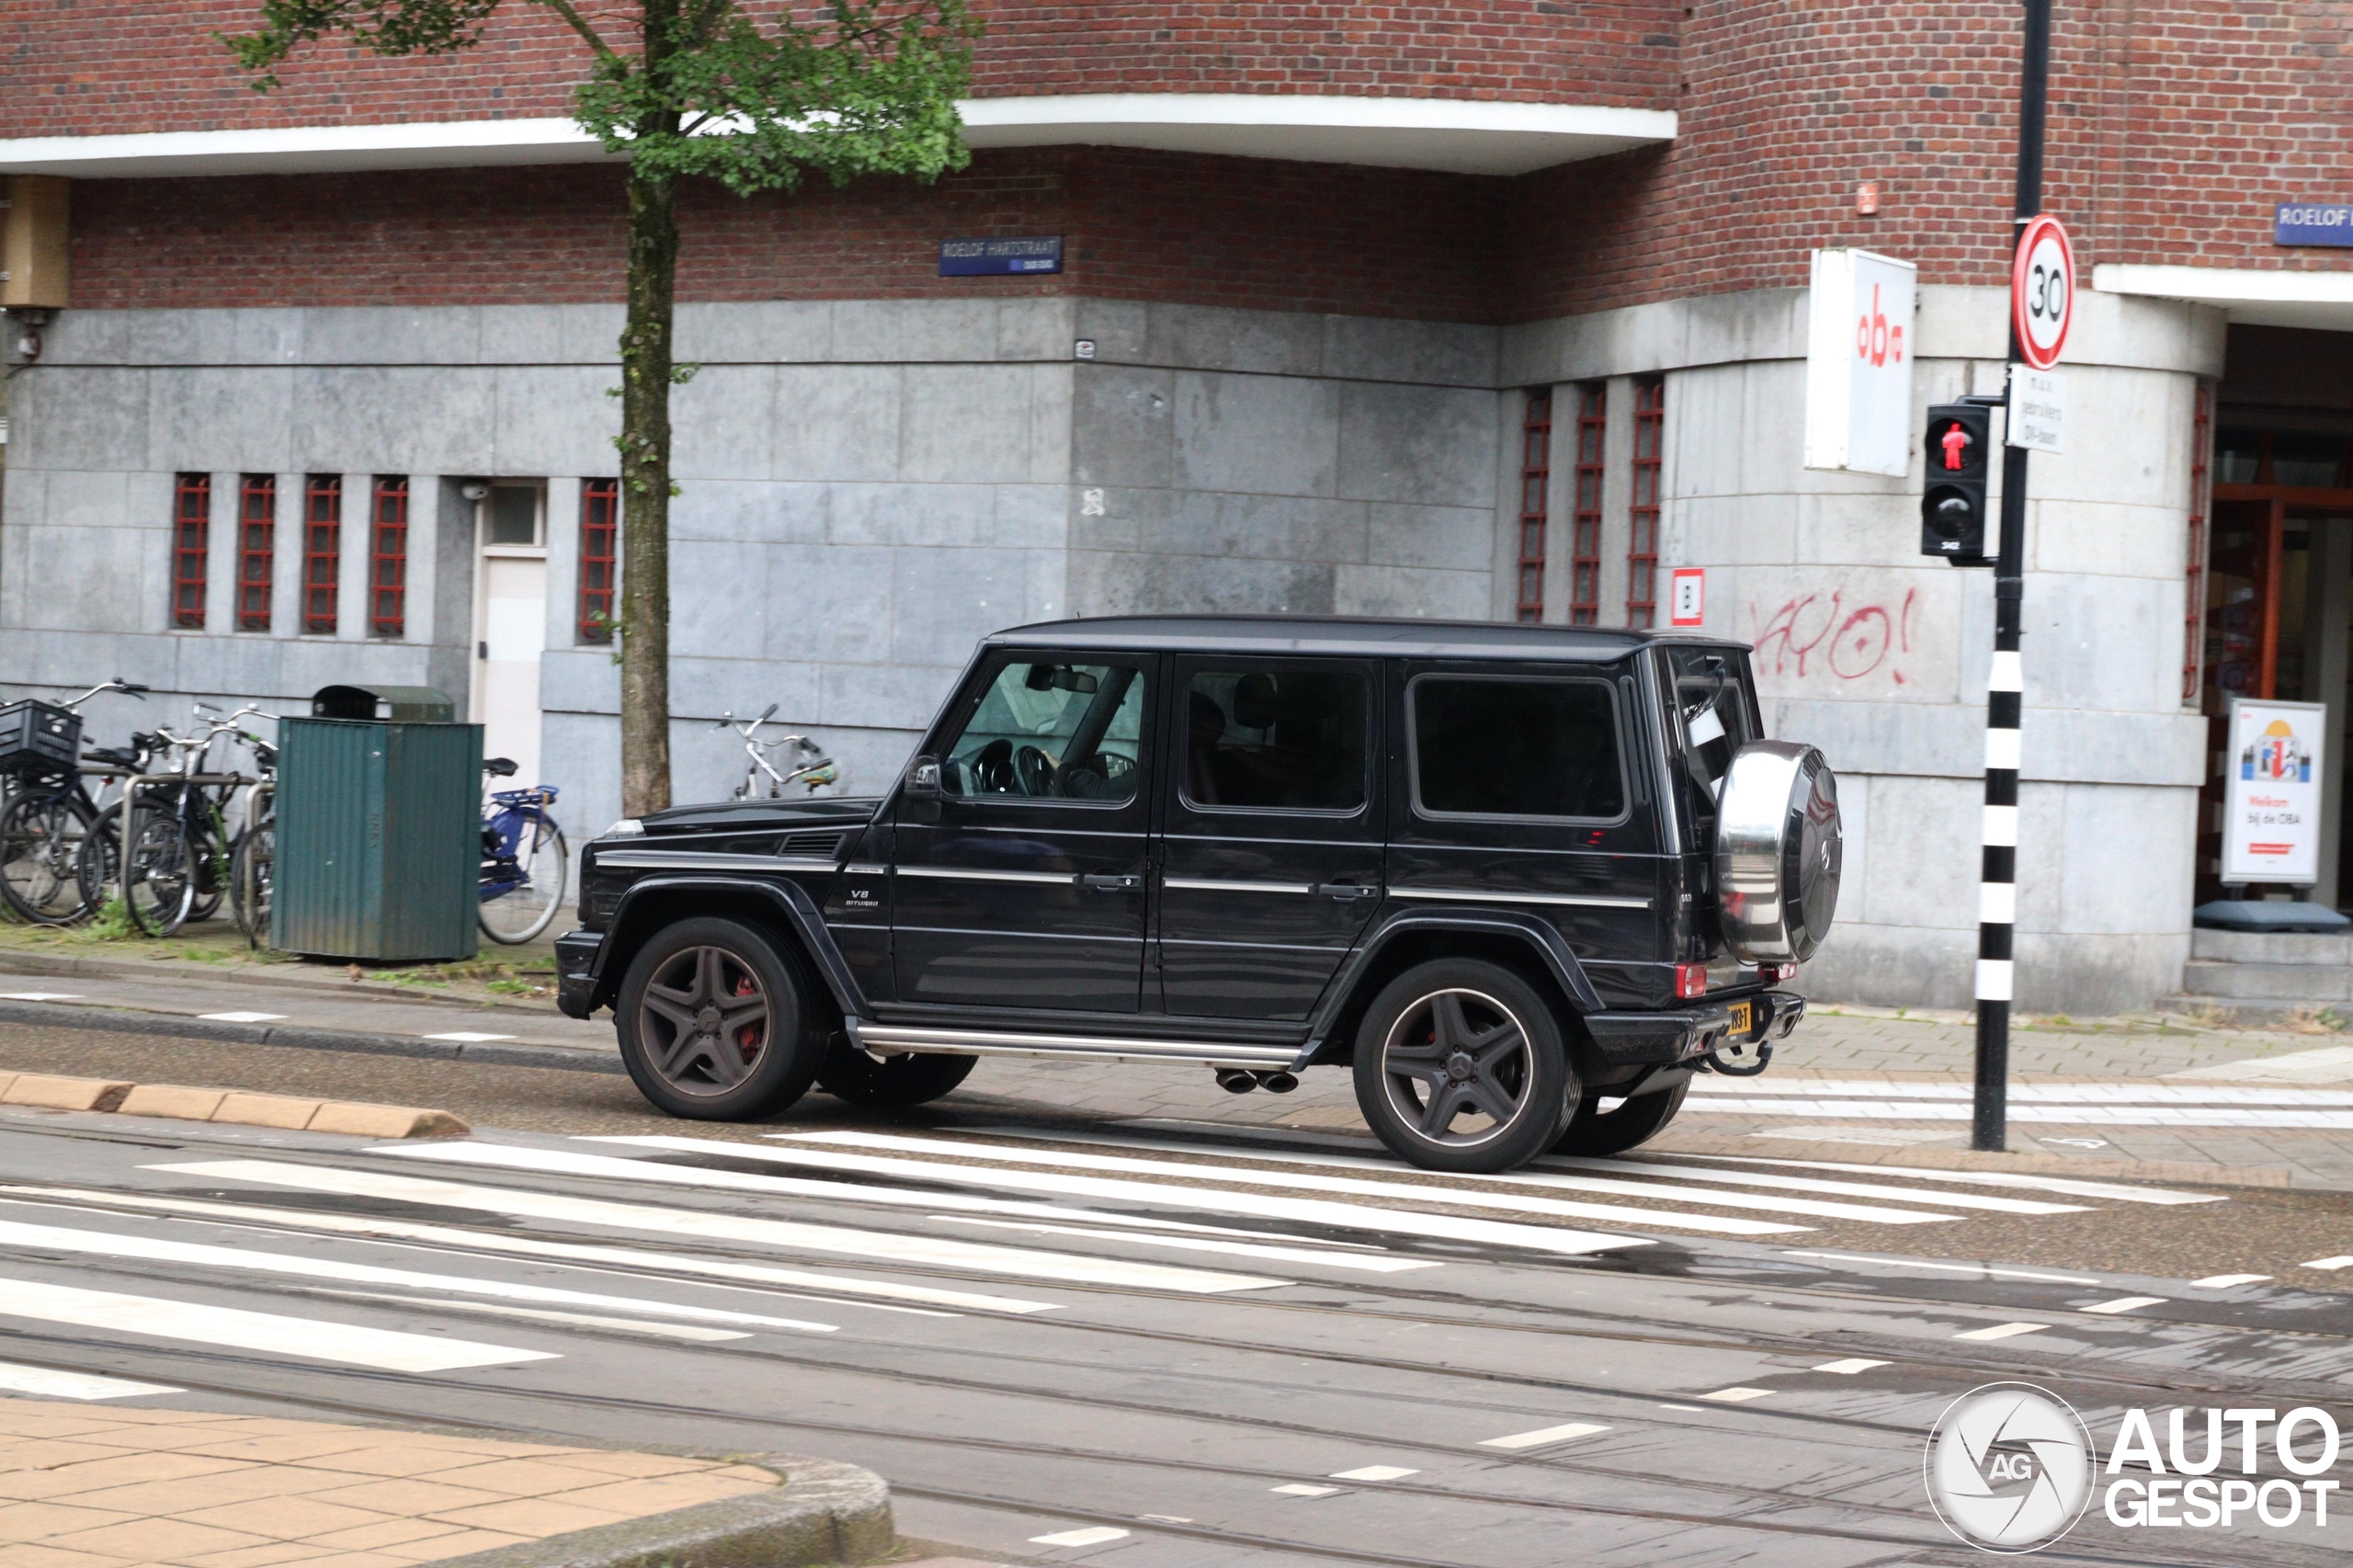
x=1997, y=885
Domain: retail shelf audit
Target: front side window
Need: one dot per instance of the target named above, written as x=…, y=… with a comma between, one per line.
x=1516, y=746
x=1275, y=740
x=1046, y=730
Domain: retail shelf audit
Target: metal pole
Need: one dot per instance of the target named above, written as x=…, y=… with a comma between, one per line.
x=1997, y=889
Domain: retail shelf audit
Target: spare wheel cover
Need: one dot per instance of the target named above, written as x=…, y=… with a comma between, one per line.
x=1778, y=852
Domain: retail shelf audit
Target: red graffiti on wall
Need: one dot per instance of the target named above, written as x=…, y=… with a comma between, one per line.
x=1824, y=633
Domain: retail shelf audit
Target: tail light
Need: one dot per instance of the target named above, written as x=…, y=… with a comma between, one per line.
x=1781, y=971
x=1690, y=980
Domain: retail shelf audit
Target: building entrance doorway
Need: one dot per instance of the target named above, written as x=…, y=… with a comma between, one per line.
x=2279, y=618
x=510, y=623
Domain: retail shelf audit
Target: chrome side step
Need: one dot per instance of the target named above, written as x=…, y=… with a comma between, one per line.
x=889, y=1040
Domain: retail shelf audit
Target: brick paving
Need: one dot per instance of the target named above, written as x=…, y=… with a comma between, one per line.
x=88, y=1487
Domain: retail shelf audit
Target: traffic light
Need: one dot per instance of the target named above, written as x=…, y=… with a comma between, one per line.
x=1952, y=504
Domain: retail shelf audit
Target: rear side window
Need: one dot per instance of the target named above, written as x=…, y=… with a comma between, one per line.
x=1512, y=746
x=1275, y=740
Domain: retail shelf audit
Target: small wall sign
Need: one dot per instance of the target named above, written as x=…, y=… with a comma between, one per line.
x=996, y=258
x=2309, y=223
x=1688, y=605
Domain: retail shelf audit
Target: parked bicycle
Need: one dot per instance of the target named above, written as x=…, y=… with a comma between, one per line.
x=523, y=862
x=49, y=812
x=253, y=858
x=177, y=868
x=808, y=766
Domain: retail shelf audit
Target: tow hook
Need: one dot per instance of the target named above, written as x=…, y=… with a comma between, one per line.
x=1714, y=1061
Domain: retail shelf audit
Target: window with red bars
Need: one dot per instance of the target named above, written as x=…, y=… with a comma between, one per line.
x=1535, y=479
x=2201, y=494
x=1642, y=514
x=191, y=548
x=388, y=560
x=256, y=549
x=1585, y=523
x=600, y=532
x=322, y=551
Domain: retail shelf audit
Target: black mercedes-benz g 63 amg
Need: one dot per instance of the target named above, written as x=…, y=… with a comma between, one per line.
x=1524, y=880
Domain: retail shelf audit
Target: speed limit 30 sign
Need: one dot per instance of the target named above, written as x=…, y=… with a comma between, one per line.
x=2042, y=291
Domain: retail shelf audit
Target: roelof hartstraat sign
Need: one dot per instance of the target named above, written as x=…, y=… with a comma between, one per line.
x=2312, y=224
x=1858, y=363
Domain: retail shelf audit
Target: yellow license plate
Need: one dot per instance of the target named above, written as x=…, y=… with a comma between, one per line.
x=1744, y=1017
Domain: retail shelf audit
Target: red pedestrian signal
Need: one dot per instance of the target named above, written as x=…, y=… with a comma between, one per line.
x=1952, y=506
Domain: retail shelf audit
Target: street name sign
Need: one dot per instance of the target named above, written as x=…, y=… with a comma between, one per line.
x=2042, y=291
x=995, y=258
x=2272, y=785
x=1858, y=363
x=2312, y=224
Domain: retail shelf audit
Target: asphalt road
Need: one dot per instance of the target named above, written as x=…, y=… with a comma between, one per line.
x=1229, y=1347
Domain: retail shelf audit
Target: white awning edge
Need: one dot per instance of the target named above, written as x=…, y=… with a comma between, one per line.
x=2250, y=295
x=1456, y=135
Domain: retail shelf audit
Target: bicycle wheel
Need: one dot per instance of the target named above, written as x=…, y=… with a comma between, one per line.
x=249, y=876
x=159, y=879
x=98, y=868
x=512, y=913
x=41, y=849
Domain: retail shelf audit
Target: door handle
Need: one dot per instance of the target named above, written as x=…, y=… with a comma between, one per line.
x=1347, y=890
x=1104, y=882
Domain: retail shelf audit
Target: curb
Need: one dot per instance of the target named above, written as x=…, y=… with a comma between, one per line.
x=236, y=1108
x=131, y=1020
x=825, y=1512
x=1915, y=1156
x=69, y=966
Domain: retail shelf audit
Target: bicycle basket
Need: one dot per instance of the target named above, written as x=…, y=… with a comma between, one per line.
x=39, y=737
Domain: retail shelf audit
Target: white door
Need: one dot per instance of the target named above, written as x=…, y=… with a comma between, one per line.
x=507, y=671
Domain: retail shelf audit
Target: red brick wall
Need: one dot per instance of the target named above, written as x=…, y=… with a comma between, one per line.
x=102, y=66
x=1270, y=236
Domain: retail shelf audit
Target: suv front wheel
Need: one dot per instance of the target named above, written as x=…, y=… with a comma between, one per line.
x=715, y=1024
x=1461, y=1066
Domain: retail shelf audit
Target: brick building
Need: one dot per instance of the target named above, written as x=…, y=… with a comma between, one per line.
x=1494, y=309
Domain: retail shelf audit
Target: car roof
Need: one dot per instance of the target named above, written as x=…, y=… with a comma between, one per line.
x=1359, y=636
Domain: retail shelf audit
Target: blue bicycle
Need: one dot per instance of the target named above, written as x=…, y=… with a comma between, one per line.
x=523, y=862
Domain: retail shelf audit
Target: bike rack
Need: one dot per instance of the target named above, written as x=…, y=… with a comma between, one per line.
x=131, y=793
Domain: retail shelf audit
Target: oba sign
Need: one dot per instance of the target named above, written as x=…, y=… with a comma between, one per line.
x=1858, y=363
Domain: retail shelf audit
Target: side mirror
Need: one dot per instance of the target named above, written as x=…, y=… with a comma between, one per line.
x=923, y=780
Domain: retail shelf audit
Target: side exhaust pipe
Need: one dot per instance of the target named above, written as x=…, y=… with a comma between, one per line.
x=1235, y=1081
x=1278, y=1083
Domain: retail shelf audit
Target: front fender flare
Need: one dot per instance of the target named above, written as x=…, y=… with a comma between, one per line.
x=788, y=901
x=1510, y=924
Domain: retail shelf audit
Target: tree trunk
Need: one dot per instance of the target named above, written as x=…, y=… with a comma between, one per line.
x=645, y=494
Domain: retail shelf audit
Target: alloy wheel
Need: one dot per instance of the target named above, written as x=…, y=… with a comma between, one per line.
x=1457, y=1067
x=704, y=1020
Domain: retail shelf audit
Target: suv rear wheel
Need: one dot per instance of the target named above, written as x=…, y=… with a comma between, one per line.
x=1632, y=1123
x=891, y=1082
x=715, y=1023
x=1459, y=1066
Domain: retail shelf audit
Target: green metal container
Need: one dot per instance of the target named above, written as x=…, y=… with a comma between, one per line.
x=379, y=852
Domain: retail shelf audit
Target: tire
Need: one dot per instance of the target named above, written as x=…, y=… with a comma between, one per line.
x=520, y=914
x=891, y=1082
x=1462, y=1035
x=1593, y=1131
x=251, y=870
x=159, y=884
x=99, y=869
x=40, y=856
x=687, y=1054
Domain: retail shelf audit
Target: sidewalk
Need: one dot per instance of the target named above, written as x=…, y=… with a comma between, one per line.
x=2177, y=1071
x=86, y=1486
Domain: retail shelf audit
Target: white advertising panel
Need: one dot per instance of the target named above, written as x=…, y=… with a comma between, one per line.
x=1858, y=363
x=2271, y=792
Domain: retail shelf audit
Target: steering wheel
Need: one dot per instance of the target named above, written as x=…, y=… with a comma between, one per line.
x=992, y=768
x=1033, y=772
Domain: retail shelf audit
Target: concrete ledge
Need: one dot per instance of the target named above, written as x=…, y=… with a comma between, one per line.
x=128, y=1020
x=52, y=965
x=52, y=1093
x=825, y=1512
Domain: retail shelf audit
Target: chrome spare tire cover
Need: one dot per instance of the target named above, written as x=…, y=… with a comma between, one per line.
x=1778, y=852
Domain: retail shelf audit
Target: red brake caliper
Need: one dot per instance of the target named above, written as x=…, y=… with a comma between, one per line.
x=747, y=1039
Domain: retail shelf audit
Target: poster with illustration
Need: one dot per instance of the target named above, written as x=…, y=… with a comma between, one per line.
x=2271, y=780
